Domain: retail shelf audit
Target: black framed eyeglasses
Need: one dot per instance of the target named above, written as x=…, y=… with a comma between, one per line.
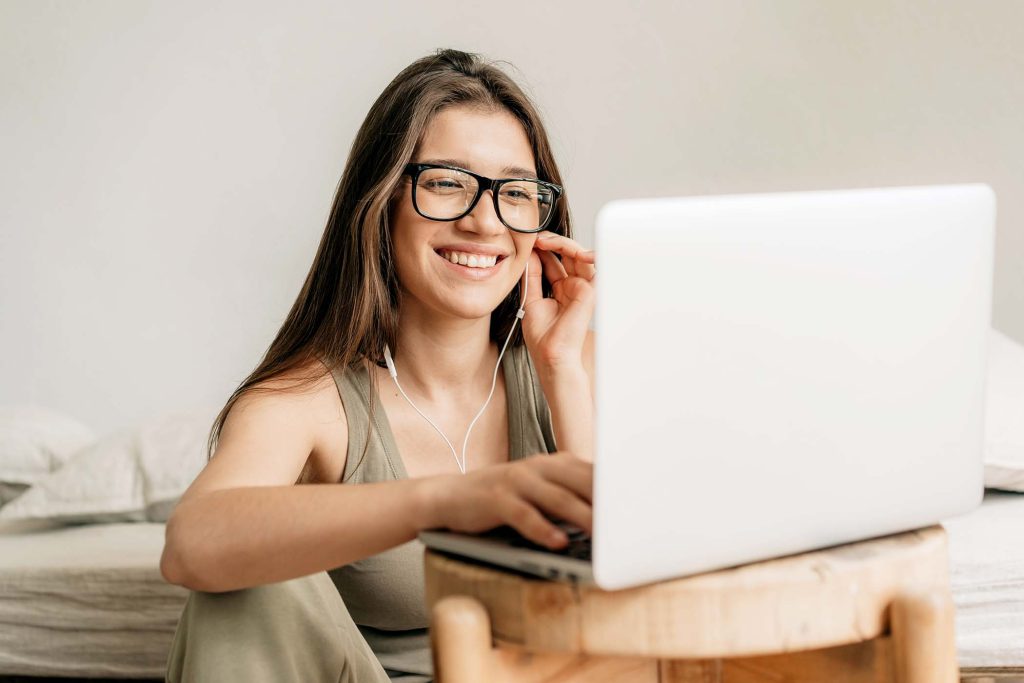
x=447, y=193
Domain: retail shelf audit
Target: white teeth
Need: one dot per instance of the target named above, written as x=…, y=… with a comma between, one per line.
x=469, y=260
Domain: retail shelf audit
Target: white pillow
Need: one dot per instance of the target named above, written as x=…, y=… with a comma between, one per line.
x=131, y=475
x=35, y=441
x=172, y=452
x=1004, y=414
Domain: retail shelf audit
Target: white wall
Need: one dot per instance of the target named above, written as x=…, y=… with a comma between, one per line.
x=166, y=168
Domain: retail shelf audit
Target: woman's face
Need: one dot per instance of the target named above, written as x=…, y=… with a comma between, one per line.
x=493, y=144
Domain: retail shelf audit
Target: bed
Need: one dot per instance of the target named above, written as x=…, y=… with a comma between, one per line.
x=986, y=548
x=85, y=601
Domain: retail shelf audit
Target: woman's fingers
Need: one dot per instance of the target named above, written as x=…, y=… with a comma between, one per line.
x=552, y=241
x=553, y=269
x=521, y=494
x=535, y=290
x=558, y=487
x=586, y=270
x=571, y=472
x=528, y=521
x=576, y=260
x=576, y=302
x=562, y=504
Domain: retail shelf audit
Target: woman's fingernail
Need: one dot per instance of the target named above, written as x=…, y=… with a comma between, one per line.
x=558, y=537
x=545, y=236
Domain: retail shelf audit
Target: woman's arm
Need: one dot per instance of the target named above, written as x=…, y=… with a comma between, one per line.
x=556, y=333
x=570, y=399
x=239, y=537
x=244, y=522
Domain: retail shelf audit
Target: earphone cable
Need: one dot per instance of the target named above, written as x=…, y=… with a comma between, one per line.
x=494, y=379
x=462, y=467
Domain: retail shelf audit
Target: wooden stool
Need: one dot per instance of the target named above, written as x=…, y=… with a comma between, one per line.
x=877, y=611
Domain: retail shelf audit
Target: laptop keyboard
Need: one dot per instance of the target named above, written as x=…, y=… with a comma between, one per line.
x=578, y=548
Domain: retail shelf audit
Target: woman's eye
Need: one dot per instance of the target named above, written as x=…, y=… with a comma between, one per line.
x=516, y=194
x=442, y=185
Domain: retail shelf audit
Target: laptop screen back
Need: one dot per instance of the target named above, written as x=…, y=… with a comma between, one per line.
x=783, y=372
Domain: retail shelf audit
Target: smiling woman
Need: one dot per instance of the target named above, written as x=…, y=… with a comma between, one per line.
x=449, y=225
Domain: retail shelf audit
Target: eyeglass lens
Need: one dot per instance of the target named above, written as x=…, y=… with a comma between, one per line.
x=445, y=194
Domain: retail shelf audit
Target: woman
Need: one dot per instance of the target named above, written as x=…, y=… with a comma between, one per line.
x=423, y=260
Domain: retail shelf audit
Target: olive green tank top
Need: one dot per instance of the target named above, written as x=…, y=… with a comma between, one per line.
x=384, y=592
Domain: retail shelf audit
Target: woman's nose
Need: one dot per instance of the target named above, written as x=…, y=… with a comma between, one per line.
x=483, y=219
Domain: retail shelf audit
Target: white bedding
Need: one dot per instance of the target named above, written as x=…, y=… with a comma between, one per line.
x=85, y=601
x=986, y=548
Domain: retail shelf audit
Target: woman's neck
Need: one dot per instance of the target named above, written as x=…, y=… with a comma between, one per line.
x=440, y=357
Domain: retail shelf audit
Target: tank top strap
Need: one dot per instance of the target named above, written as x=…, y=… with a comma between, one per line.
x=372, y=453
x=529, y=417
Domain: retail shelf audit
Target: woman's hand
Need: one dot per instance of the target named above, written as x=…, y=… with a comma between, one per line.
x=555, y=328
x=518, y=494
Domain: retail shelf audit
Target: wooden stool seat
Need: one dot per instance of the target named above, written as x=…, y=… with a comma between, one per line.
x=881, y=606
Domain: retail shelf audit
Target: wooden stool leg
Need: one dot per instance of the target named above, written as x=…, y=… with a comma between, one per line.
x=460, y=633
x=924, y=637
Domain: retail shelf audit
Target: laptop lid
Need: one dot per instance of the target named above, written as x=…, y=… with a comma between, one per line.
x=782, y=372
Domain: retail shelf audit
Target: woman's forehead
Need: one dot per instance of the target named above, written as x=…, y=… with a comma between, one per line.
x=489, y=142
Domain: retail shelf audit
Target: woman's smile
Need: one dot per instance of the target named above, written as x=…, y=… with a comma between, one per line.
x=475, y=263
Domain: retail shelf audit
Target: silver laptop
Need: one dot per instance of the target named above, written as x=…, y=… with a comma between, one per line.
x=776, y=373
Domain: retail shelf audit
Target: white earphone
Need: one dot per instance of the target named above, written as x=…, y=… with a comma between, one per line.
x=494, y=379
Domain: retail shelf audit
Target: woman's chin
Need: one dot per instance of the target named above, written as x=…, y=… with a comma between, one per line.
x=472, y=312
x=470, y=307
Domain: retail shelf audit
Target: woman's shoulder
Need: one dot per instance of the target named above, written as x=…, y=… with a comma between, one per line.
x=310, y=386
x=308, y=393
x=285, y=429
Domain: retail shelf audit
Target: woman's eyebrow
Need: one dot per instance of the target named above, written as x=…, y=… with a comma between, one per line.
x=515, y=171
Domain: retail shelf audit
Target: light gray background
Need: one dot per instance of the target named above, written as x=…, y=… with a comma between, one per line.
x=166, y=168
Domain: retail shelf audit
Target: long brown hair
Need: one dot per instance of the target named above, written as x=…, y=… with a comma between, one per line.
x=348, y=307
